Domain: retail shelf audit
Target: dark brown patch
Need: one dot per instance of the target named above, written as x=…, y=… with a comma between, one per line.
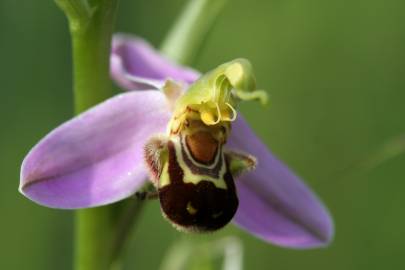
x=214, y=207
x=175, y=172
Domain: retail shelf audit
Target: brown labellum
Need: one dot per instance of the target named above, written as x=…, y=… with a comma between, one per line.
x=194, y=179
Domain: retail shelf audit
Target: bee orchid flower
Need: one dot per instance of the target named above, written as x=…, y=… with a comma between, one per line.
x=108, y=152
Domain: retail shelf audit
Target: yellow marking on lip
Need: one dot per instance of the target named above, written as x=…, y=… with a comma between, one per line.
x=191, y=178
x=164, y=177
x=191, y=209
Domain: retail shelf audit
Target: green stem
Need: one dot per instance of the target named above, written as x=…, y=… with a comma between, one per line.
x=91, y=52
x=91, y=42
x=91, y=24
x=191, y=29
x=94, y=234
x=101, y=234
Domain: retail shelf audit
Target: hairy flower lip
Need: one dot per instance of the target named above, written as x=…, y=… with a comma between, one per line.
x=274, y=204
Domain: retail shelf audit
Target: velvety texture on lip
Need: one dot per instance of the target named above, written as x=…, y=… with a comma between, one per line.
x=97, y=157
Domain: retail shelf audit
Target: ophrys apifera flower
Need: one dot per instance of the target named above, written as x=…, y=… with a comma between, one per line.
x=98, y=157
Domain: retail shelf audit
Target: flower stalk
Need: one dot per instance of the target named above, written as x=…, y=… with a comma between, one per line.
x=91, y=25
x=94, y=227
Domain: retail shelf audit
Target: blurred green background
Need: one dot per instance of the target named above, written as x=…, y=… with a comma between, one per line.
x=335, y=71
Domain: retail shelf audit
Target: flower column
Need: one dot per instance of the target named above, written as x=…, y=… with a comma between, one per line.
x=91, y=25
